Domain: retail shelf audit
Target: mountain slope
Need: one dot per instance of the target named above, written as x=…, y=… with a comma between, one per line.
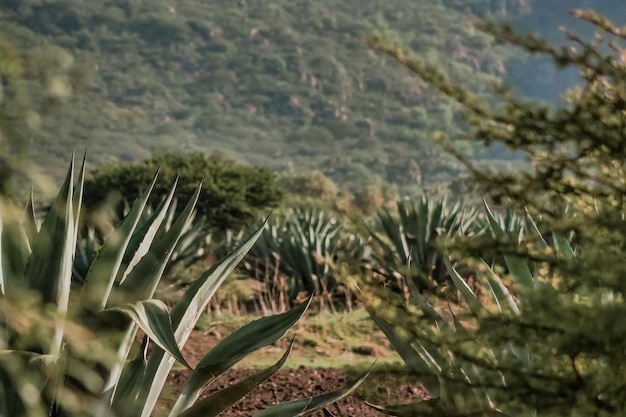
x=284, y=83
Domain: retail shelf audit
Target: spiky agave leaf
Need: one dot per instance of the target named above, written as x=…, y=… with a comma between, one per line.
x=219, y=401
x=233, y=348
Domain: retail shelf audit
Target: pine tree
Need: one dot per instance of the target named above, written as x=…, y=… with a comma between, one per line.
x=570, y=325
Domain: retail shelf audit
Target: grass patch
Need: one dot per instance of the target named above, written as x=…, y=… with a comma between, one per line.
x=322, y=340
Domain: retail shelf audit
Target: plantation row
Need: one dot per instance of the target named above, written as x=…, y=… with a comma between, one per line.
x=300, y=251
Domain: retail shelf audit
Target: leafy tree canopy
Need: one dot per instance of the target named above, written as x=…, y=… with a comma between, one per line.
x=232, y=194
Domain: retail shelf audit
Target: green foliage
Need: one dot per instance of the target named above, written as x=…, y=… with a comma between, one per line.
x=406, y=245
x=295, y=252
x=259, y=80
x=543, y=338
x=191, y=247
x=312, y=187
x=65, y=346
x=232, y=195
x=484, y=361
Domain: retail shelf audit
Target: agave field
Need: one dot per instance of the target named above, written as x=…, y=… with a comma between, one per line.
x=106, y=324
x=77, y=350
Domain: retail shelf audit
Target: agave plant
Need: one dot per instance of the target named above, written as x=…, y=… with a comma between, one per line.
x=66, y=347
x=297, y=246
x=192, y=245
x=509, y=221
x=405, y=246
x=469, y=354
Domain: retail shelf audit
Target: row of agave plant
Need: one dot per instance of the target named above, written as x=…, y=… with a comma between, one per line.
x=294, y=255
x=73, y=347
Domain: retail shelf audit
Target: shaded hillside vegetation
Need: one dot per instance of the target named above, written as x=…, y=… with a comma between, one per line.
x=284, y=84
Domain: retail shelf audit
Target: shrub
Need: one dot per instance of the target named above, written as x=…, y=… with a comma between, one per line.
x=232, y=195
x=482, y=345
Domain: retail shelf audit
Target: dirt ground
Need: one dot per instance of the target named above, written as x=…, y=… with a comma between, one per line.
x=310, y=370
x=304, y=382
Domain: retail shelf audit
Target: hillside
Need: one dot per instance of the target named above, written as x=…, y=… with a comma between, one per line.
x=285, y=84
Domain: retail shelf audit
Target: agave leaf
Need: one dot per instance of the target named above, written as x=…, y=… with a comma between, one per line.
x=236, y=346
x=532, y=228
x=128, y=385
x=219, y=401
x=468, y=295
x=140, y=278
x=307, y=406
x=120, y=373
x=431, y=406
x=47, y=261
x=518, y=267
x=14, y=252
x=104, y=268
x=499, y=291
x=562, y=246
x=184, y=316
x=428, y=310
x=423, y=364
x=49, y=269
x=30, y=218
x=77, y=200
x=142, y=238
x=149, y=267
x=395, y=232
x=142, y=281
x=474, y=380
x=153, y=318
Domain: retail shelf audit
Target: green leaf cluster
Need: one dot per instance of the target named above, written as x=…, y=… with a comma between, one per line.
x=232, y=196
x=295, y=251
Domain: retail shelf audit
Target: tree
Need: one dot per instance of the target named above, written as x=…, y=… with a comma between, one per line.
x=232, y=195
x=565, y=336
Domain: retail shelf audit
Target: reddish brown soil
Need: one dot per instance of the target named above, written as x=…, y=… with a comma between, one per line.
x=386, y=384
x=288, y=385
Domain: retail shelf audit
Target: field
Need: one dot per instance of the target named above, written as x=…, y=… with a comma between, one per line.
x=329, y=349
x=183, y=302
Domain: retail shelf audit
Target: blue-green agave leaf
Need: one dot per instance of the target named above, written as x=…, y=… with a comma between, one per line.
x=219, y=401
x=249, y=338
x=184, y=315
x=154, y=319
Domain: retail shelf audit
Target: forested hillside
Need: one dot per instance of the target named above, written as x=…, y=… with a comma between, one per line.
x=286, y=84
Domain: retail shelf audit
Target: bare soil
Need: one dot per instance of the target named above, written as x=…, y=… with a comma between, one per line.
x=303, y=382
x=321, y=361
